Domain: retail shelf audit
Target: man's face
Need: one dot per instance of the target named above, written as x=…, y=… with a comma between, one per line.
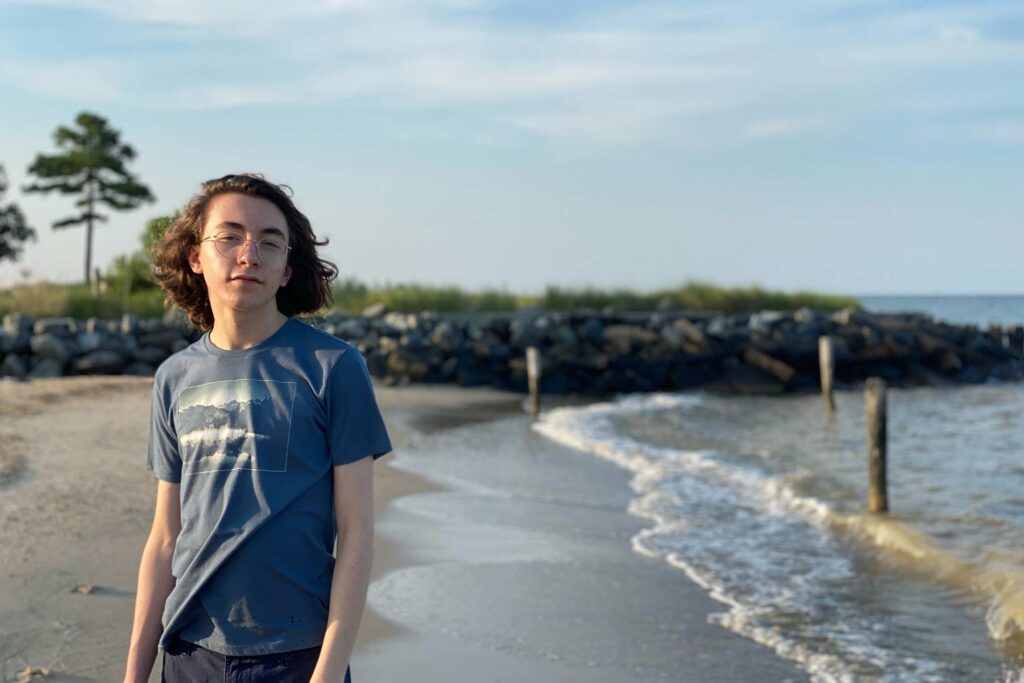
x=248, y=280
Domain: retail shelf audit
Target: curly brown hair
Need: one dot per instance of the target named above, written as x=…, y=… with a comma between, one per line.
x=308, y=289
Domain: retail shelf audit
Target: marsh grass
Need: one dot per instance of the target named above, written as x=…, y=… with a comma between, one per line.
x=45, y=299
x=694, y=296
x=352, y=296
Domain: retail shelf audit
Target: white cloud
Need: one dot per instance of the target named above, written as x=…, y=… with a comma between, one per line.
x=215, y=97
x=88, y=79
x=773, y=128
x=959, y=34
x=670, y=120
x=618, y=75
x=1000, y=131
x=226, y=14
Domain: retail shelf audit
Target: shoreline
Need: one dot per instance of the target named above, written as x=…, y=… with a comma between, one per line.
x=77, y=515
x=406, y=418
x=592, y=611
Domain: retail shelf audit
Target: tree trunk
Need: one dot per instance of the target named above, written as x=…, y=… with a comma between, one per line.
x=88, y=252
x=88, y=236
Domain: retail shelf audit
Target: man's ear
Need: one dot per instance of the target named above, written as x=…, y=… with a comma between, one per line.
x=287, y=275
x=194, y=262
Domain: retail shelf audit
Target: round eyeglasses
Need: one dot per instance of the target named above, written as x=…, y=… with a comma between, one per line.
x=268, y=249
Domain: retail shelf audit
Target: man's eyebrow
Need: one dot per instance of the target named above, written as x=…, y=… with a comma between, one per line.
x=239, y=226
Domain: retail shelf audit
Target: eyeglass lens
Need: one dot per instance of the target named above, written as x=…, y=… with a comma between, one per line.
x=271, y=249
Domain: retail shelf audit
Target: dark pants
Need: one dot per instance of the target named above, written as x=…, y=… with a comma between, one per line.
x=185, y=662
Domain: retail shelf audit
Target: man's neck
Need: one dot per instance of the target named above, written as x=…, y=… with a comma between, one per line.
x=232, y=331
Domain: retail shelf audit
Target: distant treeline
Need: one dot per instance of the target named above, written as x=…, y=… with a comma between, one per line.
x=119, y=295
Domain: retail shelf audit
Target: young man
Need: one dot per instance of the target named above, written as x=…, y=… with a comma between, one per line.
x=263, y=435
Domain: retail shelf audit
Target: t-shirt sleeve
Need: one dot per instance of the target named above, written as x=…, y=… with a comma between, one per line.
x=355, y=427
x=163, y=458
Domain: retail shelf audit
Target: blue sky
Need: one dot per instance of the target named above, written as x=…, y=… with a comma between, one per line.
x=850, y=147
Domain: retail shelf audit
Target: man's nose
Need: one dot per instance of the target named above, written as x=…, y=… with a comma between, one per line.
x=249, y=252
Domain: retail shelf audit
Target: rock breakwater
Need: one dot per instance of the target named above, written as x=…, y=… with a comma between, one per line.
x=595, y=353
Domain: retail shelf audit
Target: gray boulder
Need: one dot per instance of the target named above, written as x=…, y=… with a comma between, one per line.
x=164, y=339
x=150, y=355
x=65, y=327
x=138, y=368
x=623, y=337
x=47, y=367
x=744, y=379
x=765, y=321
x=352, y=328
x=89, y=341
x=175, y=317
x=13, y=366
x=100, y=362
x=50, y=346
x=18, y=323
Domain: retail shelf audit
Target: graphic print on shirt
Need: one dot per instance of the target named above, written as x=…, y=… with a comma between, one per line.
x=235, y=424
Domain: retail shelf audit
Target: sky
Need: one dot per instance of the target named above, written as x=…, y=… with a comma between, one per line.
x=849, y=147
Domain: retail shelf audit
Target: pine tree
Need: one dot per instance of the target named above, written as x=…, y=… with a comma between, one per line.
x=14, y=232
x=92, y=165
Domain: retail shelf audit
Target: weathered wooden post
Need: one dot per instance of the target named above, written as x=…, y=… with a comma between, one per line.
x=533, y=370
x=874, y=402
x=826, y=364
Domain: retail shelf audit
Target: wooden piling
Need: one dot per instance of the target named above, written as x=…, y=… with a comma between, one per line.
x=826, y=364
x=533, y=371
x=875, y=410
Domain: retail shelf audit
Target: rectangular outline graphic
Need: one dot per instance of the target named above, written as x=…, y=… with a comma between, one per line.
x=288, y=439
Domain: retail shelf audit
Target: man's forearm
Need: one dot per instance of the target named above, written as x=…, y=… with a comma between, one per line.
x=348, y=598
x=155, y=584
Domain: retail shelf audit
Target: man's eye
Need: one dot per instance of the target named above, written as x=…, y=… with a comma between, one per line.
x=228, y=238
x=272, y=245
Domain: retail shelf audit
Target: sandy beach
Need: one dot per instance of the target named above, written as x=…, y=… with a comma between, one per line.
x=504, y=575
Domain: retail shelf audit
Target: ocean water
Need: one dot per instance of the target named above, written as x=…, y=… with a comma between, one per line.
x=1007, y=309
x=761, y=500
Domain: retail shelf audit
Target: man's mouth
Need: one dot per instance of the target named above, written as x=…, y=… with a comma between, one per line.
x=246, y=279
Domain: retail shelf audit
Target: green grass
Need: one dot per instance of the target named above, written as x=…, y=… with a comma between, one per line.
x=44, y=299
x=41, y=299
x=353, y=296
x=693, y=295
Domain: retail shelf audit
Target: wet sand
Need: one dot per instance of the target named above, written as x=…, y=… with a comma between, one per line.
x=76, y=503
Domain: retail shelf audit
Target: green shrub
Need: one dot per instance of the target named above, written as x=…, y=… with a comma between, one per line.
x=130, y=271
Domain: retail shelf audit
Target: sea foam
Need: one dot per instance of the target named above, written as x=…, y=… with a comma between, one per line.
x=770, y=552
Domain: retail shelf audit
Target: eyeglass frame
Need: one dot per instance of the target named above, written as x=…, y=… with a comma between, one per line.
x=241, y=246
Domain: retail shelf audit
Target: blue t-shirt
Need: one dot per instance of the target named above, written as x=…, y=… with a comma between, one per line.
x=252, y=436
